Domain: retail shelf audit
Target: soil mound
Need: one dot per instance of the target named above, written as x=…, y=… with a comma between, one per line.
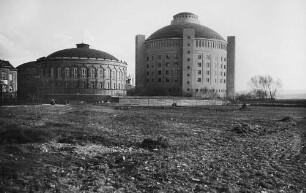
x=151, y=144
x=246, y=128
x=287, y=119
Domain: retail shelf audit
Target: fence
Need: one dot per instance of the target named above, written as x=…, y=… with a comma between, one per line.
x=154, y=102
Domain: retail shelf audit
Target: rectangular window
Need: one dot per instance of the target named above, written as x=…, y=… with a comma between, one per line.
x=148, y=58
x=207, y=72
x=167, y=79
x=159, y=65
x=199, y=80
x=188, y=52
x=208, y=64
x=224, y=81
x=159, y=79
x=188, y=75
x=176, y=56
x=159, y=72
x=188, y=59
x=167, y=64
x=220, y=80
x=167, y=72
x=188, y=82
x=207, y=79
x=188, y=67
x=199, y=72
x=167, y=56
x=224, y=66
x=224, y=73
x=199, y=64
x=188, y=37
x=148, y=73
x=147, y=65
x=197, y=90
x=199, y=56
x=221, y=73
x=176, y=64
x=159, y=57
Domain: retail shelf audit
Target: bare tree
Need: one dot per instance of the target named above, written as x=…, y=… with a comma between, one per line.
x=265, y=86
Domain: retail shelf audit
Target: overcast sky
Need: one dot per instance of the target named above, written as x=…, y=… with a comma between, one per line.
x=270, y=34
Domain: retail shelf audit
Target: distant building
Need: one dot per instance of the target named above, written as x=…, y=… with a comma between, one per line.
x=184, y=59
x=8, y=81
x=131, y=80
x=74, y=73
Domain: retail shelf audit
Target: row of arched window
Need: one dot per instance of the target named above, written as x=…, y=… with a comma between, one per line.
x=86, y=73
x=89, y=85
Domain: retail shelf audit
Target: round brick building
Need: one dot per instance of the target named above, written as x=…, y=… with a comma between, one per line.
x=74, y=73
x=185, y=58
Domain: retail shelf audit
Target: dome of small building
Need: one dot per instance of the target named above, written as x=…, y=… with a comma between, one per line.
x=181, y=21
x=81, y=51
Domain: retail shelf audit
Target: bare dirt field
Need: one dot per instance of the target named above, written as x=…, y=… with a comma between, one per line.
x=89, y=148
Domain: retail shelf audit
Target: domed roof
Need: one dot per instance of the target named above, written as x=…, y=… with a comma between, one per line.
x=82, y=51
x=181, y=21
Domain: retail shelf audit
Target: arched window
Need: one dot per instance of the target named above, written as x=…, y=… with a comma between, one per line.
x=101, y=73
x=66, y=72
x=84, y=73
x=75, y=73
x=59, y=73
x=92, y=73
x=52, y=73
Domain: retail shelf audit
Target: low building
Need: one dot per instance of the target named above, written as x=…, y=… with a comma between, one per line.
x=8, y=82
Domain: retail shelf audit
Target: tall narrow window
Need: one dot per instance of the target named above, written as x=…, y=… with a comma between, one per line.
x=84, y=73
x=101, y=73
x=52, y=73
x=66, y=72
x=59, y=73
x=75, y=73
x=92, y=73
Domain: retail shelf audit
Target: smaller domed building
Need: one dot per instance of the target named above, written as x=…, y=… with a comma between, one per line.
x=79, y=73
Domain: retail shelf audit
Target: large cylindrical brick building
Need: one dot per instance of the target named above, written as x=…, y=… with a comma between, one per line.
x=73, y=73
x=184, y=59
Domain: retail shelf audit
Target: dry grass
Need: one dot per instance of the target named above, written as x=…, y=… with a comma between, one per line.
x=102, y=149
